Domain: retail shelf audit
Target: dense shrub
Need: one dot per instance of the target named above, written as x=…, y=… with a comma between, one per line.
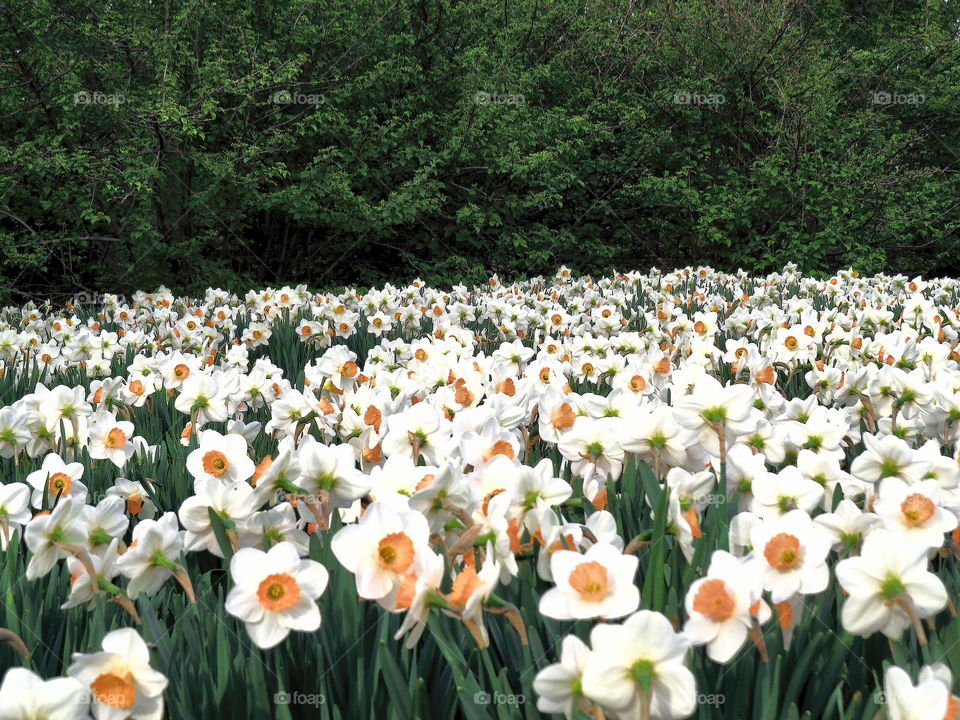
x=229, y=142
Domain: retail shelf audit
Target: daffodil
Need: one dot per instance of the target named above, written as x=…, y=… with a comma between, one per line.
x=120, y=679
x=275, y=592
x=223, y=457
x=725, y=605
x=888, y=586
x=793, y=552
x=914, y=511
x=597, y=583
x=24, y=696
x=382, y=548
x=559, y=687
x=636, y=669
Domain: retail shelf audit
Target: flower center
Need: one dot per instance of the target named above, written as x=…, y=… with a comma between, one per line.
x=464, y=585
x=134, y=504
x=643, y=672
x=279, y=591
x=590, y=580
x=786, y=504
x=714, y=414
x=891, y=587
x=889, y=468
x=563, y=416
x=114, y=690
x=215, y=463
x=500, y=447
x=594, y=449
x=790, y=342
x=714, y=600
x=115, y=439
x=60, y=483
x=783, y=551
x=917, y=509
x=395, y=552
x=181, y=371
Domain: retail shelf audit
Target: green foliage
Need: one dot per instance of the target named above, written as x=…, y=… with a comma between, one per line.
x=146, y=143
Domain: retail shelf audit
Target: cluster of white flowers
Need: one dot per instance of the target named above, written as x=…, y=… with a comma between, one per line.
x=447, y=429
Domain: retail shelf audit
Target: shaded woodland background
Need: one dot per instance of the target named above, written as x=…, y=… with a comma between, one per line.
x=230, y=143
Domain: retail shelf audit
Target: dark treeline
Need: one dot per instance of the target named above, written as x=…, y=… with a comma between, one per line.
x=231, y=143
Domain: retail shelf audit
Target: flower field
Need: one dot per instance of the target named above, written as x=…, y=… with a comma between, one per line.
x=693, y=494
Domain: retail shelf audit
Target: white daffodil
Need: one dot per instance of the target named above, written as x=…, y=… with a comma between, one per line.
x=24, y=695
x=151, y=556
x=381, y=548
x=888, y=456
x=638, y=665
x=794, y=552
x=559, y=686
x=275, y=592
x=120, y=679
x=233, y=503
x=56, y=478
x=723, y=606
x=913, y=511
x=929, y=699
x=593, y=443
x=14, y=510
x=223, y=457
x=45, y=533
x=597, y=583
x=110, y=439
x=889, y=586
x=848, y=525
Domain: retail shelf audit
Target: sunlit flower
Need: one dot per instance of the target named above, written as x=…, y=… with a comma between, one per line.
x=794, y=553
x=722, y=607
x=24, y=695
x=46, y=533
x=640, y=663
x=223, y=457
x=913, y=511
x=275, y=592
x=121, y=681
x=559, y=687
x=888, y=585
x=110, y=439
x=597, y=583
x=56, y=478
x=381, y=548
